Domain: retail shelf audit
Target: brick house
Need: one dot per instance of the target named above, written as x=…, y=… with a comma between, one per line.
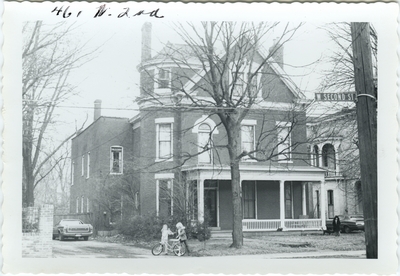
x=174, y=167
x=100, y=161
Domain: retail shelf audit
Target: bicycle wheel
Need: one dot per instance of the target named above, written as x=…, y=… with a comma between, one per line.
x=157, y=249
x=179, y=250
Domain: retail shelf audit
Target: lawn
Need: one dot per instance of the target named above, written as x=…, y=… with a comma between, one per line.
x=269, y=243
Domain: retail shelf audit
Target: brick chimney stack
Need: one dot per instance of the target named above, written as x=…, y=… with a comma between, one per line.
x=146, y=41
x=277, y=52
x=97, y=109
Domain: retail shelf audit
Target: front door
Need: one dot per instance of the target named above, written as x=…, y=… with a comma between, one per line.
x=210, y=206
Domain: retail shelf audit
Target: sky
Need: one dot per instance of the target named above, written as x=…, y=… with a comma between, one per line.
x=112, y=75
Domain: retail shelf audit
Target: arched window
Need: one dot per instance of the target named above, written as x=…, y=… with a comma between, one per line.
x=328, y=157
x=204, y=143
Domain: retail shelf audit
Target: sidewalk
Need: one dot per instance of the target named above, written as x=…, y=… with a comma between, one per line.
x=359, y=254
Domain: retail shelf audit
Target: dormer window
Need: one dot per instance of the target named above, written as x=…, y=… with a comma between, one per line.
x=164, y=78
x=244, y=81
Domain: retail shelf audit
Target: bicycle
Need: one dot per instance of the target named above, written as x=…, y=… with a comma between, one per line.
x=175, y=246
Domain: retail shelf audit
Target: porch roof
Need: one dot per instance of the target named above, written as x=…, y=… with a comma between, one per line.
x=256, y=172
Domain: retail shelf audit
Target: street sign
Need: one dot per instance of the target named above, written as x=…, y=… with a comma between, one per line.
x=336, y=97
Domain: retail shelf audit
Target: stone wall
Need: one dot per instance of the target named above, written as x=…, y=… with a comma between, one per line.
x=38, y=244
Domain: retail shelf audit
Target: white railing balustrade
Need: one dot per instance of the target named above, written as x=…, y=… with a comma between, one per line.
x=250, y=225
x=260, y=225
x=298, y=224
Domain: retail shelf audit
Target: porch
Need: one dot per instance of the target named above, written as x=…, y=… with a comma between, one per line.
x=273, y=199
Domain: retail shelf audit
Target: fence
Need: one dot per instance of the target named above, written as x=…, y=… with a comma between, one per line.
x=37, y=224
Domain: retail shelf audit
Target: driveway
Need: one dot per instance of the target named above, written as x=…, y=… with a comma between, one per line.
x=95, y=249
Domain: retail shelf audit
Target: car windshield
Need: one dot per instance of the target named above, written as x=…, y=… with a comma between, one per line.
x=357, y=216
x=70, y=222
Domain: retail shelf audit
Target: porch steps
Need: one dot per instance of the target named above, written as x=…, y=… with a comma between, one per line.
x=221, y=234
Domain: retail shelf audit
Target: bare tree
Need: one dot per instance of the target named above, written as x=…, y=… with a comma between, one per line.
x=47, y=60
x=224, y=75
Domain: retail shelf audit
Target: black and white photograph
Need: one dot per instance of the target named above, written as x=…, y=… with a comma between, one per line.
x=199, y=138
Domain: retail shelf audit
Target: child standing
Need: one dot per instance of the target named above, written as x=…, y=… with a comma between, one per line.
x=182, y=235
x=165, y=232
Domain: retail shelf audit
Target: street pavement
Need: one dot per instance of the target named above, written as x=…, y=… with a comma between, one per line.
x=96, y=249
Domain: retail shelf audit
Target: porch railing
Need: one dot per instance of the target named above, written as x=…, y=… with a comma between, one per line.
x=300, y=224
x=260, y=225
x=250, y=225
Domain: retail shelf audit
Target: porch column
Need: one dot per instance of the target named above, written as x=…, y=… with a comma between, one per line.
x=200, y=200
x=323, y=203
x=282, y=202
x=303, y=199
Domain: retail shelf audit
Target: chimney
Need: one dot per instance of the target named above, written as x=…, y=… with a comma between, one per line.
x=277, y=52
x=97, y=109
x=146, y=41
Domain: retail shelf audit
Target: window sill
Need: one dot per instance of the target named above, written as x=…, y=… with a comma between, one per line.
x=285, y=162
x=163, y=160
x=116, y=173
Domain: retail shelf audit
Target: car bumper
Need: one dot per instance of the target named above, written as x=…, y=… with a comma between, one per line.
x=76, y=235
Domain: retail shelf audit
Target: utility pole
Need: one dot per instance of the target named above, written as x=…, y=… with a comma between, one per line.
x=367, y=131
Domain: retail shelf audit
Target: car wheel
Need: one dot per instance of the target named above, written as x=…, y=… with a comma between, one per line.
x=62, y=238
x=85, y=238
x=54, y=237
x=346, y=229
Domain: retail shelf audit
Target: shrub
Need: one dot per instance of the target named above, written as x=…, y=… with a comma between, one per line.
x=203, y=232
x=148, y=227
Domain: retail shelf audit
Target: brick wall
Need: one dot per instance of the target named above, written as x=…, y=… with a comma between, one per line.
x=39, y=244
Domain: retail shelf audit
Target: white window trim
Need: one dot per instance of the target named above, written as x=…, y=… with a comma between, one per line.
x=83, y=165
x=88, y=166
x=282, y=124
x=158, y=195
x=251, y=123
x=210, y=151
x=77, y=205
x=205, y=120
x=121, y=158
x=72, y=172
x=158, y=121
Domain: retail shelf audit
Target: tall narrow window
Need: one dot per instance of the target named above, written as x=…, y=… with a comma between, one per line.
x=252, y=82
x=163, y=78
x=165, y=197
x=88, y=165
x=328, y=157
x=87, y=205
x=77, y=205
x=116, y=160
x=331, y=205
x=284, y=142
x=316, y=156
x=288, y=200
x=238, y=82
x=164, y=141
x=83, y=165
x=247, y=138
x=82, y=202
x=249, y=199
x=204, y=140
x=72, y=172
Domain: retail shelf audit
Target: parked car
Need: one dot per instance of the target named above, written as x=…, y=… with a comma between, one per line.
x=348, y=223
x=72, y=228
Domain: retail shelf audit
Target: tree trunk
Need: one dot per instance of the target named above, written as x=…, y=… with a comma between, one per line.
x=237, y=235
x=367, y=126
